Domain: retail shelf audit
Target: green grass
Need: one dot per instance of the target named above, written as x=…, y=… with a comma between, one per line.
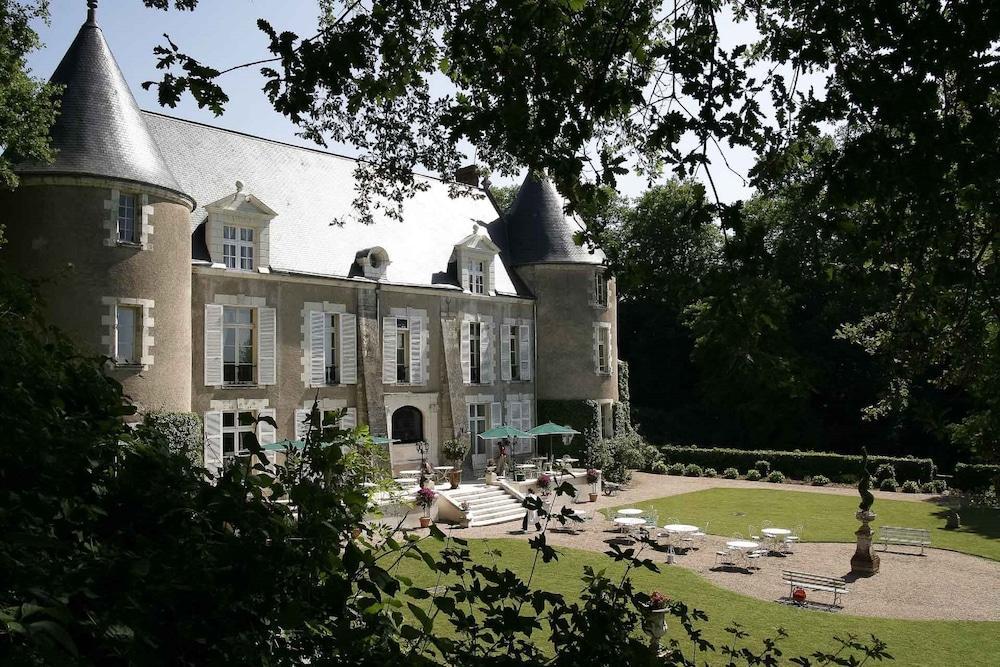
x=825, y=517
x=916, y=643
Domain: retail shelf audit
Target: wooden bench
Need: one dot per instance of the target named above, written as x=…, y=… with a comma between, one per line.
x=815, y=582
x=611, y=488
x=913, y=537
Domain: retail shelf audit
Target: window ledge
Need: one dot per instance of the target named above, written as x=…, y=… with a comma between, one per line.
x=128, y=244
x=240, y=386
x=130, y=366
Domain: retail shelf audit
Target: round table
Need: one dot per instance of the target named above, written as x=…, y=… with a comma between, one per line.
x=775, y=532
x=524, y=466
x=630, y=511
x=409, y=473
x=405, y=481
x=568, y=459
x=742, y=544
x=680, y=528
x=580, y=513
x=629, y=521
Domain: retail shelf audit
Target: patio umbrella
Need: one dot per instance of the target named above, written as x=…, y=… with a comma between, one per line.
x=281, y=445
x=503, y=432
x=551, y=428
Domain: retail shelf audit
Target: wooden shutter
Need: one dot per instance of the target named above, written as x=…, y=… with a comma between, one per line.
x=486, y=351
x=526, y=415
x=213, y=345
x=505, y=352
x=466, y=354
x=301, y=425
x=597, y=355
x=416, y=351
x=350, y=418
x=490, y=278
x=317, y=348
x=213, y=442
x=266, y=346
x=524, y=350
x=496, y=416
x=388, y=350
x=266, y=434
x=348, y=345
x=514, y=414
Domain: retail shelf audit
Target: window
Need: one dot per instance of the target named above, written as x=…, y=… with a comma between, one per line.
x=407, y=424
x=600, y=289
x=604, y=349
x=333, y=343
x=475, y=353
x=128, y=334
x=477, y=280
x=127, y=229
x=237, y=429
x=514, y=347
x=402, y=350
x=607, y=420
x=477, y=425
x=237, y=247
x=238, y=345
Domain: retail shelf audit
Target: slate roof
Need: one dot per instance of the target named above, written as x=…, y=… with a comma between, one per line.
x=309, y=189
x=100, y=130
x=536, y=230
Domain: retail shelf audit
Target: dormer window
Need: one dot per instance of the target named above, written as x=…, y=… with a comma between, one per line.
x=238, y=247
x=477, y=280
x=239, y=232
x=472, y=260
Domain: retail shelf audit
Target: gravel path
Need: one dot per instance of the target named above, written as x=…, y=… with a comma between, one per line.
x=940, y=585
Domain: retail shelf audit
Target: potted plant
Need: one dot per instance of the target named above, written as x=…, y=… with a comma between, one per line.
x=593, y=478
x=454, y=450
x=655, y=621
x=425, y=499
x=544, y=482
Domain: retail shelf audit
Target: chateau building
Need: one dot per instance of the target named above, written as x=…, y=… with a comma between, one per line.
x=206, y=265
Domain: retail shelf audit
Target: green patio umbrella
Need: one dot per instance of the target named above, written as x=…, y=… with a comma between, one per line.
x=551, y=428
x=382, y=440
x=504, y=431
x=281, y=445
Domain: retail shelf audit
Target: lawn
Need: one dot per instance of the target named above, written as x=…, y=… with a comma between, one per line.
x=825, y=517
x=910, y=642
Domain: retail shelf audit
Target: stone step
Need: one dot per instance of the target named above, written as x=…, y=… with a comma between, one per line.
x=481, y=505
x=504, y=517
x=459, y=496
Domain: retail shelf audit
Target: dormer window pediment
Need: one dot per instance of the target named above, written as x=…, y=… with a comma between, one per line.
x=238, y=232
x=474, y=257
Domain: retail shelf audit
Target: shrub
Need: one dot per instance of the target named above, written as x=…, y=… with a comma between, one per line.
x=936, y=486
x=593, y=476
x=692, y=470
x=627, y=452
x=888, y=485
x=675, y=469
x=799, y=465
x=711, y=472
x=969, y=477
x=763, y=467
x=753, y=475
x=885, y=471
x=776, y=477
x=909, y=486
x=178, y=431
x=820, y=480
x=658, y=468
x=454, y=450
x=731, y=473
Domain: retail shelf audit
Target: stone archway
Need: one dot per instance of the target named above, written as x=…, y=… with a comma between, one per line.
x=408, y=425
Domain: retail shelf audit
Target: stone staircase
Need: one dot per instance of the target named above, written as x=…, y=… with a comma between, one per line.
x=487, y=504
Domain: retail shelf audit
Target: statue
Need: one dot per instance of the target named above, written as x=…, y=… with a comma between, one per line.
x=865, y=562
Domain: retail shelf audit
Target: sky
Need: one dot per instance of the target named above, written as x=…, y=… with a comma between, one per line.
x=222, y=33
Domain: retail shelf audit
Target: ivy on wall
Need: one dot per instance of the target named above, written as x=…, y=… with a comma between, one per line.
x=584, y=416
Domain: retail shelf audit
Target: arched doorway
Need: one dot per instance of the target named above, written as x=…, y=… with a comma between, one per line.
x=407, y=425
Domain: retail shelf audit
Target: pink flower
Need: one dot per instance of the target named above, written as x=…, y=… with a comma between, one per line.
x=544, y=481
x=658, y=601
x=425, y=497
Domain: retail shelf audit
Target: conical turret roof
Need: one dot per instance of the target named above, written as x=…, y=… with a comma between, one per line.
x=537, y=229
x=100, y=130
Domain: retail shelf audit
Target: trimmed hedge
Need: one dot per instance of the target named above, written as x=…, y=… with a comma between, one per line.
x=178, y=431
x=974, y=477
x=799, y=465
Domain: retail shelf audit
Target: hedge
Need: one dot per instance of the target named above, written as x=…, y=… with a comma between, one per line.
x=180, y=431
x=975, y=477
x=798, y=465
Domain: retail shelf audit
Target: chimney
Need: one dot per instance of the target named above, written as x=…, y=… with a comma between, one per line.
x=469, y=175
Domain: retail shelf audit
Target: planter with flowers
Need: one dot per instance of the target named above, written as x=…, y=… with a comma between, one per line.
x=594, y=479
x=544, y=483
x=454, y=450
x=424, y=499
x=654, y=623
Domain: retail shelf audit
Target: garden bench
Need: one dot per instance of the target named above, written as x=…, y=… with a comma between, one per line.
x=815, y=582
x=914, y=537
x=611, y=488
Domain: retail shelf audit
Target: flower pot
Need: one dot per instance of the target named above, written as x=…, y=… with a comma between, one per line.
x=455, y=478
x=654, y=624
x=593, y=497
x=425, y=522
x=356, y=533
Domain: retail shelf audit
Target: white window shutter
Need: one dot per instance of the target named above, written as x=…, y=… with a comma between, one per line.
x=350, y=418
x=466, y=354
x=389, y=350
x=213, y=345
x=348, y=345
x=486, y=351
x=524, y=350
x=317, y=348
x=505, y=352
x=496, y=416
x=597, y=356
x=526, y=415
x=416, y=351
x=514, y=414
x=266, y=346
x=301, y=427
x=490, y=278
x=266, y=434
x=213, y=442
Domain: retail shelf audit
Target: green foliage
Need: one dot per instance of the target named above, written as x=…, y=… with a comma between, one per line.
x=584, y=416
x=658, y=468
x=776, y=477
x=692, y=470
x=763, y=467
x=884, y=471
x=888, y=484
x=819, y=480
x=753, y=475
x=934, y=486
x=910, y=486
x=179, y=431
x=728, y=473
x=455, y=450
x=675, y=469
x=627, y=452
x=969, y=477
x=797, y=465
x=711, y=472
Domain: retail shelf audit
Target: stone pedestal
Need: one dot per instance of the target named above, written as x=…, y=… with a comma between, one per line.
x=864, y=562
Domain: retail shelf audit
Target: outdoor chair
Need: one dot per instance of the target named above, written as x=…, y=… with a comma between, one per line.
x=793, y=539
x=701, y=535
x=724, y=557
x=752, y=532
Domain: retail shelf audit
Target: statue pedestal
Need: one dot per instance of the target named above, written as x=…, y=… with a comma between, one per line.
x=864, y=562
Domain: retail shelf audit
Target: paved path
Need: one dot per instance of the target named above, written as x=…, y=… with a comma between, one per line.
x=941, y=585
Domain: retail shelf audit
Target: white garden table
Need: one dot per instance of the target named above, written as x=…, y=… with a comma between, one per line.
x=742, y=545
x=680, y=528
x=630, y=511
x=776, y=536
x=627, y=523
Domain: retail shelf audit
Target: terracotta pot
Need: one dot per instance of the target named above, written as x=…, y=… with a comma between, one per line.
x=425, y=522
x=593, y=497
x=455, y=478
x=356, y=533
